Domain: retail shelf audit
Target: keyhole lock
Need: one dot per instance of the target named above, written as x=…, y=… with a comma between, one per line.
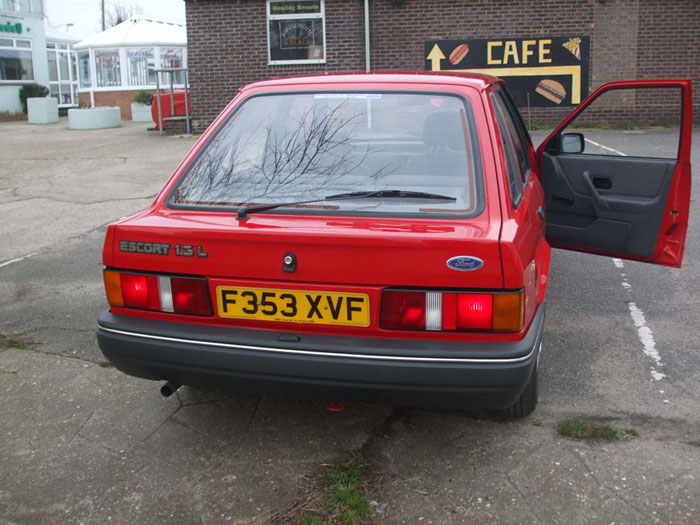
x=289, y=263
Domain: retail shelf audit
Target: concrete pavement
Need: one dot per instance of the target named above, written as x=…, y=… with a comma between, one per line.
x=83, y=443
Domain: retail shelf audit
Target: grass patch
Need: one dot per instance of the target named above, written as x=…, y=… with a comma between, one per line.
x=339, y=495
x=13, y=342
x=346, y=494
x=105, y=364
x=533, y=125
x=589, y=430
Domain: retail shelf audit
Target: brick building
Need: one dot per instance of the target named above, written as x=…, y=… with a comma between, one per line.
x=234, y=42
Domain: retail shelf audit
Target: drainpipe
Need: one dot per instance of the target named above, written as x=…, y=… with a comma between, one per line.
x=367, y=64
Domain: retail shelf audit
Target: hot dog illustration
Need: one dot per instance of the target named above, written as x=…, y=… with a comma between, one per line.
x=458, y=54
x=551, y=90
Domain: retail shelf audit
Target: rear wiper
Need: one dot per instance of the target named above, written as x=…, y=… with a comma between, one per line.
x=243, y=213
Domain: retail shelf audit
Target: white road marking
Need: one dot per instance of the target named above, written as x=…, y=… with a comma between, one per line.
x=7, y=263
x=646, y=336
x=617, y=152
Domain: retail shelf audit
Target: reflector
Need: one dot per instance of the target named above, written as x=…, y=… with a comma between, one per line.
x=403, y=310
x=190, y=296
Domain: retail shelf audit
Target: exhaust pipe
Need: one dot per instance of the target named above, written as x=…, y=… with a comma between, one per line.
x=169, y=388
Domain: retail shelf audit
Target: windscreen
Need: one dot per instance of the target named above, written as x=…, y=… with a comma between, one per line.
x=406, y=149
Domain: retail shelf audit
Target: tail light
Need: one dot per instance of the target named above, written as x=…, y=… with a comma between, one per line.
x=452, y=311
x=160, y=293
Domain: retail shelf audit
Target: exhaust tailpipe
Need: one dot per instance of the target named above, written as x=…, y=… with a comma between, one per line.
x=169, y=388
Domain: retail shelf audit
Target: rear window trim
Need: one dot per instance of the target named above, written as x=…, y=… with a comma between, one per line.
x=475, y=143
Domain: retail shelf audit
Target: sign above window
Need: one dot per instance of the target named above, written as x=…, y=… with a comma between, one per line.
x=302, y=7
x=296, y=32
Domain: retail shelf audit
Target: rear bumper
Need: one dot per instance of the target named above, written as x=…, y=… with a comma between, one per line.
x=429, y=373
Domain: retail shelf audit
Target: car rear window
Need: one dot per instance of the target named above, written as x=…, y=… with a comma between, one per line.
x=300, y=146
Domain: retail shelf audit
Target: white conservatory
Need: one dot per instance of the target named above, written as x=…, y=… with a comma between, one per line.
x=115, y=64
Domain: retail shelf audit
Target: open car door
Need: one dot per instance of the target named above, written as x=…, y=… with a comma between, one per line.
x=609, y=201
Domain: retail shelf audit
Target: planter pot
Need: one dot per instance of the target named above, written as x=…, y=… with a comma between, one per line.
x=42, y=110
x=140, y=112
x=94, y=118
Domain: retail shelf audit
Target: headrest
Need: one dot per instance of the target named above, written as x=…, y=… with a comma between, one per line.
x=444, y=129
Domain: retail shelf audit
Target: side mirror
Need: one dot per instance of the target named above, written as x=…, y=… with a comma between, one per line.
x=572, y=143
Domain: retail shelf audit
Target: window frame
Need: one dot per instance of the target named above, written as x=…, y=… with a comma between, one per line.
x=62, y=86
x=303, y=16
x=30, y=50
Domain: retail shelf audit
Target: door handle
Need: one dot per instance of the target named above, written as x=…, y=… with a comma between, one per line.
x=599, y=201
x=602, y=183
x=540, y=212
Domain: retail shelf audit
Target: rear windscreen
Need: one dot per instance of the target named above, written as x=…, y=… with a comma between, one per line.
x=303, y=146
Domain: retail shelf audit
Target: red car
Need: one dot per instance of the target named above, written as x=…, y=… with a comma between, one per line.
x=376, y=236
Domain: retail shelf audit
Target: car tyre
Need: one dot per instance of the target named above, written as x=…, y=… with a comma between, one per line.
x=526, y=403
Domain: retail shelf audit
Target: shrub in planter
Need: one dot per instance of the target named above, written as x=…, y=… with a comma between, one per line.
x=31, y=91
x=143, y=97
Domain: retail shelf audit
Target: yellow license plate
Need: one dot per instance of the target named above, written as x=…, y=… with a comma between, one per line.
x=293, y=306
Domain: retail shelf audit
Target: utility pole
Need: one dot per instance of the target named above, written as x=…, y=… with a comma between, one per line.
x=103, y=15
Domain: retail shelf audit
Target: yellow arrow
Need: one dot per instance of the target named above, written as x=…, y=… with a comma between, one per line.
x=435, y=56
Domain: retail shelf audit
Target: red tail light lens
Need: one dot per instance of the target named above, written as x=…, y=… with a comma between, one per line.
x=403, y=310
x=452, y=311
x=474, y=311
x=180, y=295
x=140, y=291
x=190, y=296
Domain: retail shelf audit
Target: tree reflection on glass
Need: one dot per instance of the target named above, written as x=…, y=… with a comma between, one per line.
x=288, y=158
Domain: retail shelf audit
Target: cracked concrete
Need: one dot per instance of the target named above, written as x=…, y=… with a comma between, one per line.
x=77, y=192
x=80, y=443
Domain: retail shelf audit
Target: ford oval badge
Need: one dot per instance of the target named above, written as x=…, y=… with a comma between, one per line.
x=465, y=263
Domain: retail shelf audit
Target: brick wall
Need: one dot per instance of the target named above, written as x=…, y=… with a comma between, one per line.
x=227, y=48
x=227, y=44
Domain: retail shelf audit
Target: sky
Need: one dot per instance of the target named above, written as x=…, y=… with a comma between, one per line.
x=85, y=15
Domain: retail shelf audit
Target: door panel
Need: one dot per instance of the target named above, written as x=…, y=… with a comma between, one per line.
x=632, y=207
x=615, y=204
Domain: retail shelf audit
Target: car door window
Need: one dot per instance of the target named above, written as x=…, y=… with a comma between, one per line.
x=521, y=137
x=633, y=122
x=508, y=142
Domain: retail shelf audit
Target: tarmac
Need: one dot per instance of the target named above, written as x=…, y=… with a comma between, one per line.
x=80, y=442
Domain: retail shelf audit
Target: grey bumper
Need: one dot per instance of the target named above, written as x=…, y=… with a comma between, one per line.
x=428, y=373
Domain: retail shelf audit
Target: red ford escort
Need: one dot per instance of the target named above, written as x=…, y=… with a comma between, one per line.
x=376, y=236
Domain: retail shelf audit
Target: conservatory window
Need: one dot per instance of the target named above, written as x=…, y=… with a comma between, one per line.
x=141, y=66
x=84, y=69
x=107, y=68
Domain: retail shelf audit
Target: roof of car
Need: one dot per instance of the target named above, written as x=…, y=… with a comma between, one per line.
x=404, y=77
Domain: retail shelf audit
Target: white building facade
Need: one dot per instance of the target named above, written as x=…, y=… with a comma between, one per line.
x=30, y=53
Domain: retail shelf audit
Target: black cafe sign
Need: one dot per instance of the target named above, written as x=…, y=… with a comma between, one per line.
x=541, y=71
x=295, y=8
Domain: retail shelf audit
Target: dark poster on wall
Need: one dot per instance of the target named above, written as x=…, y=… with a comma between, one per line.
x=541, y=72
